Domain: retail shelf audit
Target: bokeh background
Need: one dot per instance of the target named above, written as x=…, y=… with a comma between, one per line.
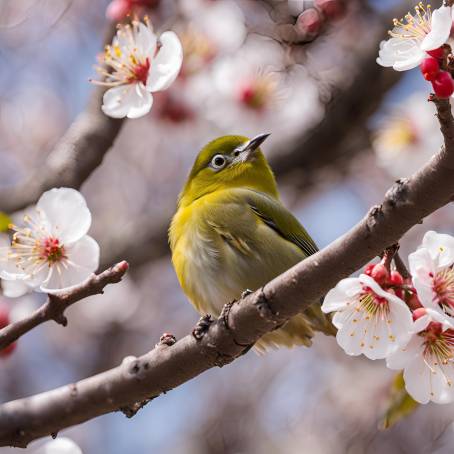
x=343, y=130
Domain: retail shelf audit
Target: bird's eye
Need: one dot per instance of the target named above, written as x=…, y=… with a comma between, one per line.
x=236, y=153
x=218, y=162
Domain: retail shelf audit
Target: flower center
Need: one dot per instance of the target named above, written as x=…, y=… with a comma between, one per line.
x=140, y=71
x=443, y=286
x=398, y=134
x=257, y=93
x=438, y=345
x=372, y=303
x=413, y=26
x=51, y=250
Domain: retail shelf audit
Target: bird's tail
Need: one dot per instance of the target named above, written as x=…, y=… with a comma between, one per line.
x=299, y=330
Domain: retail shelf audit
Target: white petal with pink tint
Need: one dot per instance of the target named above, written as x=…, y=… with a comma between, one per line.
x=369, y=320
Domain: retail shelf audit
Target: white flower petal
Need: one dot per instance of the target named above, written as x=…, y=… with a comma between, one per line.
x=14, y=289
x=145, y=41
x=67, y=213
x=440, y=29
x=400, y=54
x=83, y=260
x=130, y=101
x=338, y=297
x=61, y=445
x=405, y=355
x=167, y=64
x=440, y=247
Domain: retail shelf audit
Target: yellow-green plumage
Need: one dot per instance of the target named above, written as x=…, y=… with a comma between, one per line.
x=231, y=233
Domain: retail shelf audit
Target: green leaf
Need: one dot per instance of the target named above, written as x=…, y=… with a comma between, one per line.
x=5, y=221
x=400, y=404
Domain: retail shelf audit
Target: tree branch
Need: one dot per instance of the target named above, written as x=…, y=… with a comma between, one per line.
x=56, y=305
x=243, y=322
x=75, y=156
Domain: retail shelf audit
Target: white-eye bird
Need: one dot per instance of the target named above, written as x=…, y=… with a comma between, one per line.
x=231, y=233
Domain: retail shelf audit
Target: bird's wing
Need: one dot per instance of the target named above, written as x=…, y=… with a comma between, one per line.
x=278, y=218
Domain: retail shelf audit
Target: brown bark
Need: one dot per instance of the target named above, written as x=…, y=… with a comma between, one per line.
x=56, y=305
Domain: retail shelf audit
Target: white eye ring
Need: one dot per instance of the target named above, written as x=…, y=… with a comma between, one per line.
x=218, y=162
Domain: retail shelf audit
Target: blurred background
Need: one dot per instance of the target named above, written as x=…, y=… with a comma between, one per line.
x=343, y=130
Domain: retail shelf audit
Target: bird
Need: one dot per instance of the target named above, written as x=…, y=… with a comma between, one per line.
x=231, y=234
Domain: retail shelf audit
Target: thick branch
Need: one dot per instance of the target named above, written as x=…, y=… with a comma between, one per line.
x=73, y=159
x=56, y=305
x=242, y=323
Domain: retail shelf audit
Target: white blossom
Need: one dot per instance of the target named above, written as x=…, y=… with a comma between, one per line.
x=432, y=270
x=427, y=359
x=52, y=250
x=407, y=139
x=369, y=320
x=140, y=66
x=415, y=35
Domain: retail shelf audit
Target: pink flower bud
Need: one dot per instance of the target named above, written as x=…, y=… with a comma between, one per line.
x=396, y=278
x=118, y=9
x=379, y=273
x=418, y=313
x=437, y=53
x=443, y=85
x=332, y=9
x=430, y=68
x=369, y=268
x=309, y=23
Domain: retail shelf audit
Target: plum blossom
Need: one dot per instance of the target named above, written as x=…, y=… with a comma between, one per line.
x=256, y=89
x=406, y=140
x=432, y=270
x=140, y=66
x=370, y=320
x=414, y=36
x=52, y=251
x=427, y=359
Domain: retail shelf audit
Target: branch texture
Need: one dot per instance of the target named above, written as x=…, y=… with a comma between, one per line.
x=218, y=342
x=56, y=304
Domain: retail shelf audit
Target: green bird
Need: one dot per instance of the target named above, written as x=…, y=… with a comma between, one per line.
x=231, y=233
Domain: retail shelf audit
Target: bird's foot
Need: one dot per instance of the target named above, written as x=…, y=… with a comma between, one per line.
x=247, y=292
x=202, y=326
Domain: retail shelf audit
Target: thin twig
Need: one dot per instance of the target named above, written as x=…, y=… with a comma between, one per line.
x=56, y=305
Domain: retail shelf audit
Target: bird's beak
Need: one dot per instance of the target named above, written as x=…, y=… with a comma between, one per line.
x=249, y=147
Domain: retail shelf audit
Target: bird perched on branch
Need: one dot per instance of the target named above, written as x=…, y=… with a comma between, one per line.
x=232, y=233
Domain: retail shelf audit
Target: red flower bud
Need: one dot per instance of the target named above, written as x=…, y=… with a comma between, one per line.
x=443, y=85
x=379, y=273
x=332, y=9
x=309, y=23
x=396, y=278
x=369, y=268
x=437, y=53
x=429, y=68
x=8, y=350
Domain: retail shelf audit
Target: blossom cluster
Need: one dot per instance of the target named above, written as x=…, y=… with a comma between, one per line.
x=422, y=38
x=407, y=321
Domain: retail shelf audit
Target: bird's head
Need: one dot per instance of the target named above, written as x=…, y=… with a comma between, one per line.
x=229, y=162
